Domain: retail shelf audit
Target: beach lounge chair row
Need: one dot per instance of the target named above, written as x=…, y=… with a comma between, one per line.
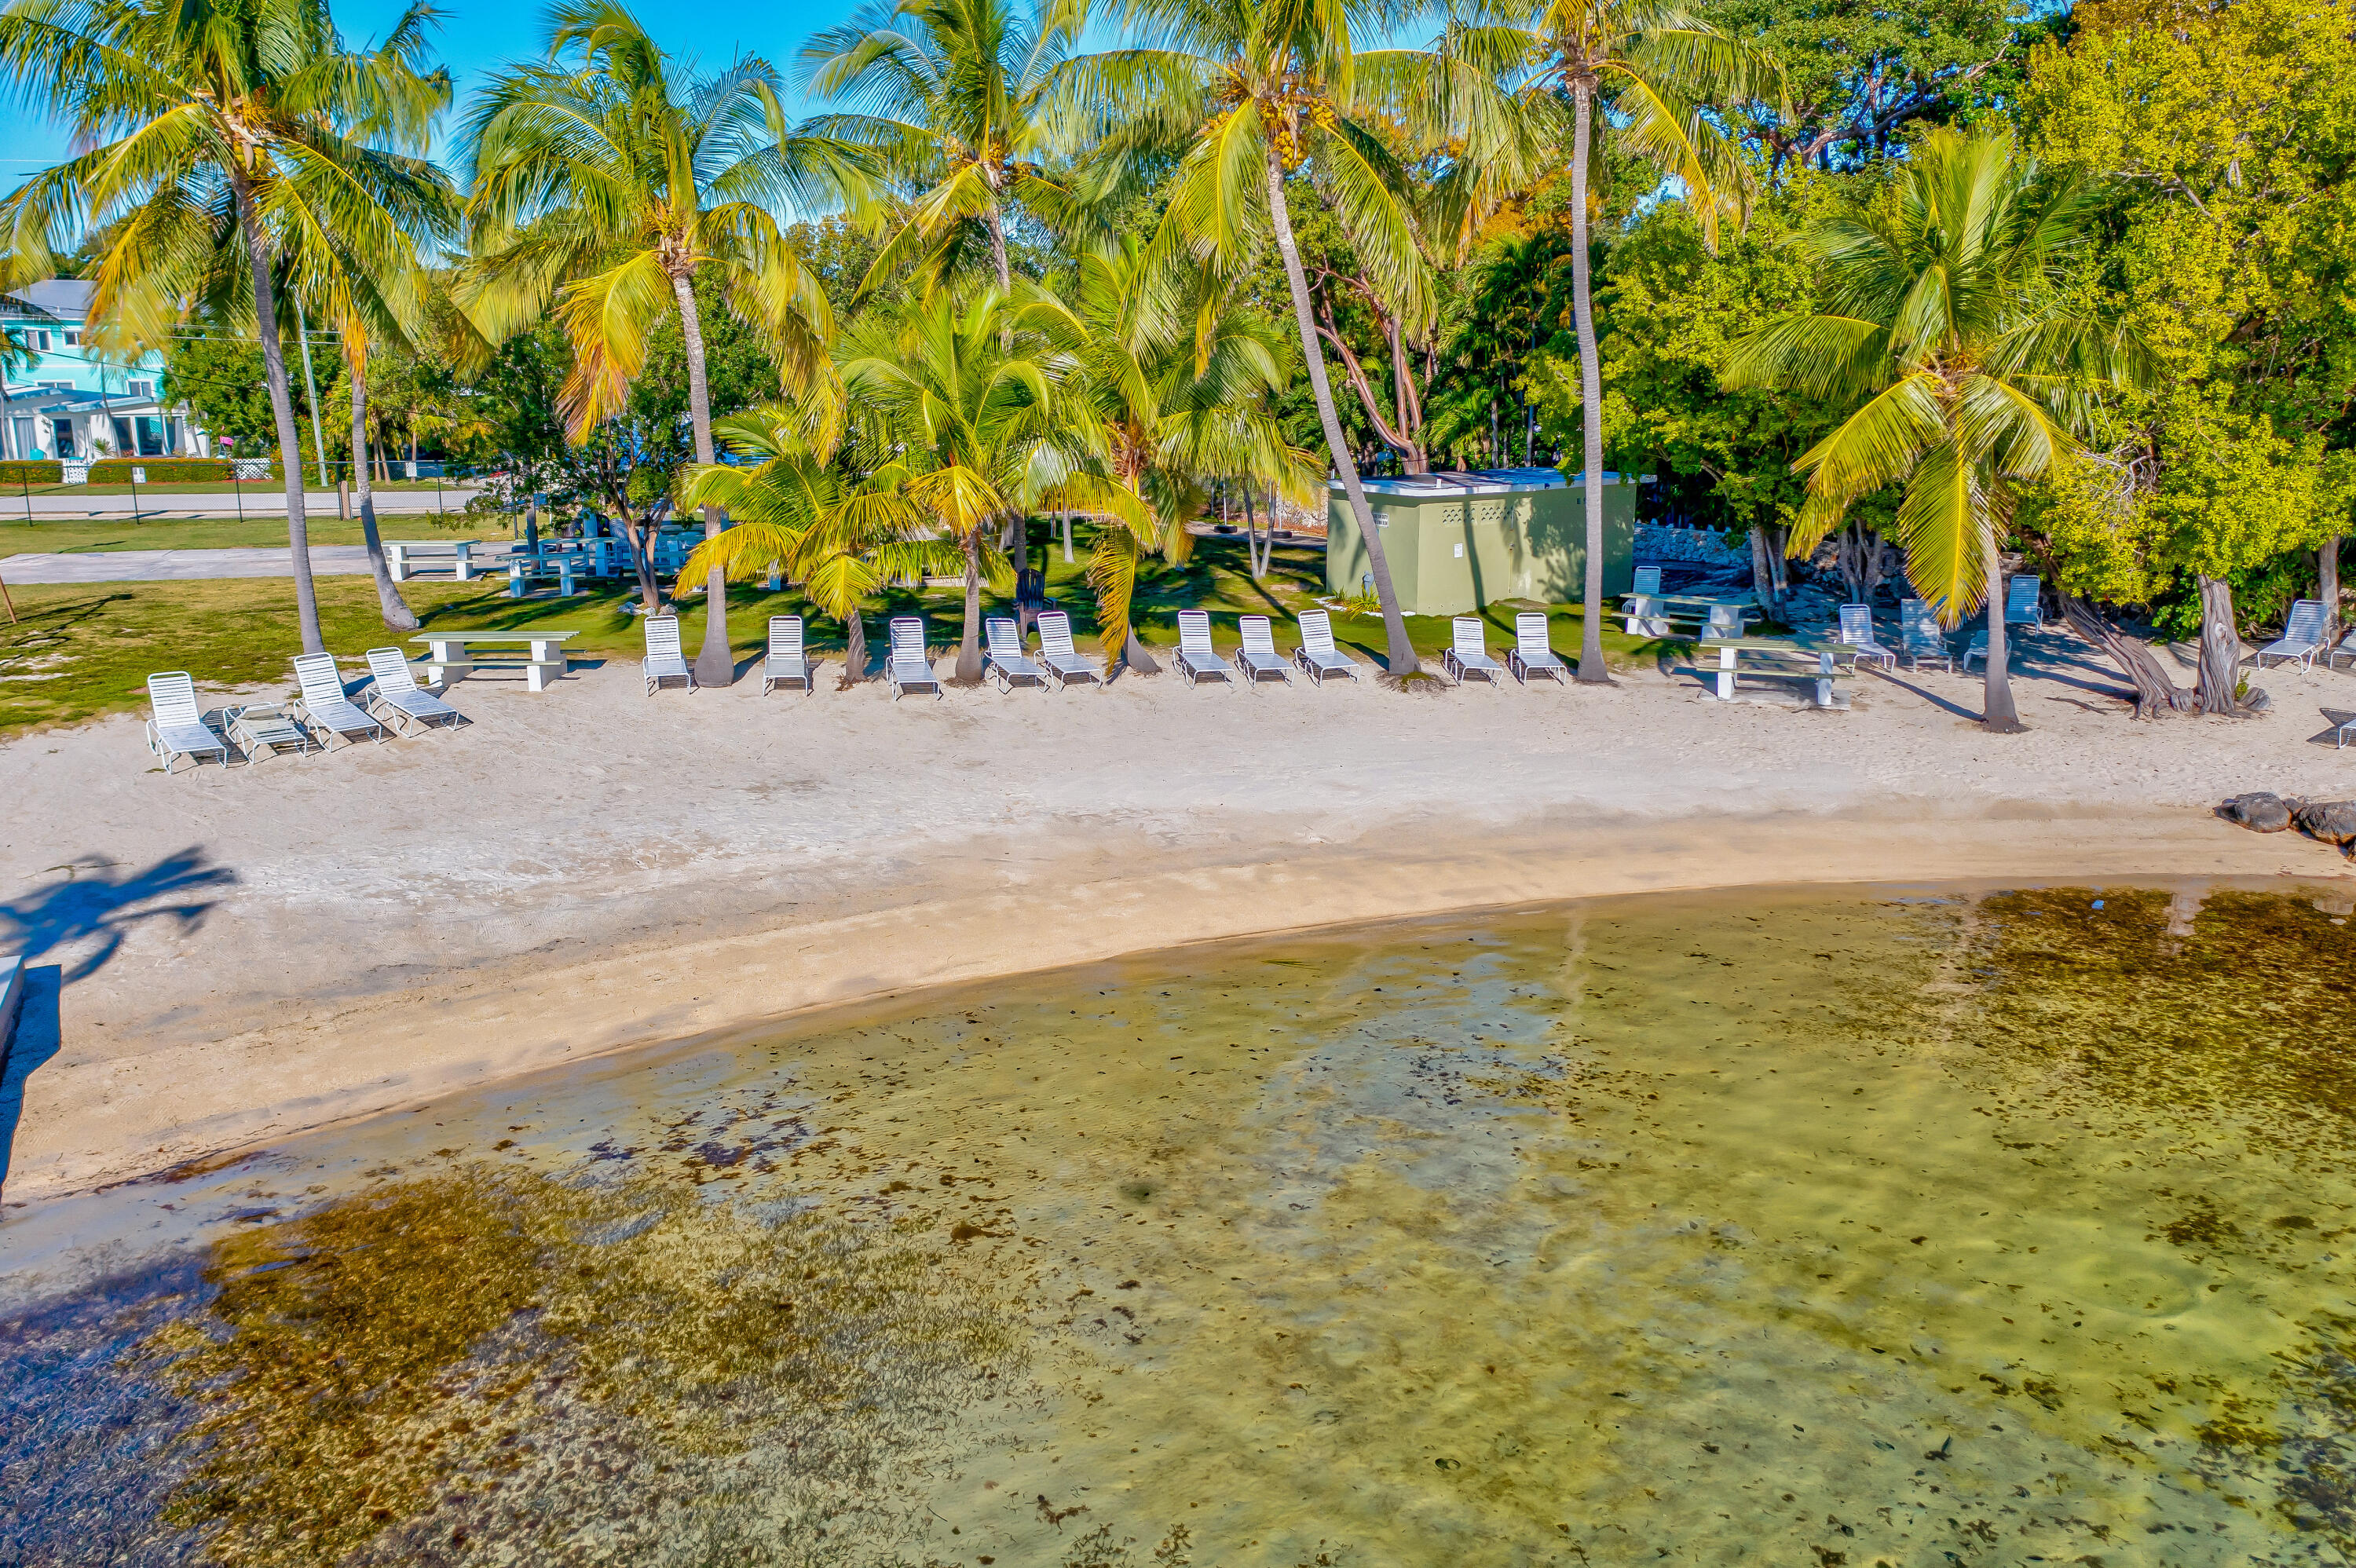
x=323, y=715
x=907, y=668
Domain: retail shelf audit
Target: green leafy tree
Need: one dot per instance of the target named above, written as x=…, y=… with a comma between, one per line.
x=2232, y=134
x=230, y=147
x=606, y=184
x=1944, y=327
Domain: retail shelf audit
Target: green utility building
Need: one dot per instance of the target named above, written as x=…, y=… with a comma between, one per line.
x=1455, y=541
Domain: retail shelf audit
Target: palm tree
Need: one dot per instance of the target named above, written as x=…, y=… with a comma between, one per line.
x=1259, y=90
x=230, y=143
x=604, y=182
x=950, y=94
x=799, y=507
x=1658, y=70
x=1945, y=324
x=958, y=411
x=1181, y=379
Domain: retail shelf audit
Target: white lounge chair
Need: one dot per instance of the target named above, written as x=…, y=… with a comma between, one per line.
x=2303, y=630
x=1648, y=581
x=2344, y=649
x=663, y=662
x=1317, y=653
x=393, y=692
x=1857, y=635
x=1007, y=660
x=1467, y=655
x=1258, y=659
x=326, y=707
x=178, y=728
x=1196, y=661
x=1056, y=651
x=2020, y=606
x=1920, y=638
x=906, y=667
x=786, y=664
x=1532, y=653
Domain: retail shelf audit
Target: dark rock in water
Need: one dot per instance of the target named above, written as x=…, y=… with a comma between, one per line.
x=2333, y=821
x=2259, y=811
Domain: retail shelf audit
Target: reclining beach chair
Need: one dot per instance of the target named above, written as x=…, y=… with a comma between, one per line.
x=1648, y=581
x=179, y=727
x=1196, y=661
x=2020, y=606
x=906, y=667
x=1467, y=655
x=325, y=708
x=1056, y=651
x=1857, y=635
x=1532, y=653
x=2344, y=649
x=788, y=663
x=393, y=693
x=663, y=662
x=1007, y=660
x=2303, y=634
x=1317, y=653
x=1258, y=659
x=1920, y=638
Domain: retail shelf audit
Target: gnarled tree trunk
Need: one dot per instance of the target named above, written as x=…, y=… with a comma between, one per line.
x=2155, y=693
x=2221, y=648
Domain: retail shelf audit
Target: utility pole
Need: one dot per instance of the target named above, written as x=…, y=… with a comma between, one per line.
x=318, y=439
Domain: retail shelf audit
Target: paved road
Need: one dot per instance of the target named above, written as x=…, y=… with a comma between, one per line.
x=190, y=565
x=256, y=503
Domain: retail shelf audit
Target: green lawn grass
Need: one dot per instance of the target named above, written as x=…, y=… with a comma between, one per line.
x=68, y=536
x=80, y=650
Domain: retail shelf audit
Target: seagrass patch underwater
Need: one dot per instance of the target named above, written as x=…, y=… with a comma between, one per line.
x=1822, y=1227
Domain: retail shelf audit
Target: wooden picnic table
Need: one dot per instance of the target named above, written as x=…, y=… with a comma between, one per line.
x=448, y=657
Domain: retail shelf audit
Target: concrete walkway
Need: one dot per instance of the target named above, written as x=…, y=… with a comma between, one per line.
x=180, y=565
x=161, y=507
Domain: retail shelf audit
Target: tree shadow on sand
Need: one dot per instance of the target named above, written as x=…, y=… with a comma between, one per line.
x=85, y=917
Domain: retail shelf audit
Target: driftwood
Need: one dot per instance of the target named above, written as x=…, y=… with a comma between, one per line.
x=2155, y=693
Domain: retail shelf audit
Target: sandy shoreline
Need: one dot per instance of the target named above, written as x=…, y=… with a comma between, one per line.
x=248, y=953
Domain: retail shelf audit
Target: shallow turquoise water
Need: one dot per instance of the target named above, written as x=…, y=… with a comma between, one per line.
x=1855, y=1227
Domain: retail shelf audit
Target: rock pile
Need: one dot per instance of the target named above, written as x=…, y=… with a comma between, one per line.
x=2329, y=821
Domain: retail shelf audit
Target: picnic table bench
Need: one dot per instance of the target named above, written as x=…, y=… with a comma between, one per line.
x=449, y=655
x=1655, y=614
x=1769, y=659
x=563, y=566
x=462, y=561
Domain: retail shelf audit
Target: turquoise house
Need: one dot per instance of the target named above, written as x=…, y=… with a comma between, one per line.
x=70, y=400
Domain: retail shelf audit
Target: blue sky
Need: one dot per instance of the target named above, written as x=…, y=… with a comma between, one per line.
x=476, y=38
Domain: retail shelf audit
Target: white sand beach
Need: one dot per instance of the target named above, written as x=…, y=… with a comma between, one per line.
x=250, y=952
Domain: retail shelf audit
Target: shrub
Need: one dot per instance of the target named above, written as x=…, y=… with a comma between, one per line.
x=158, y=470
x=31, y=473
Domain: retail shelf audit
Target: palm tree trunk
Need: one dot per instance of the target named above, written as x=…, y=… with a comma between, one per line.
x=1998, y=715
x=1400, y=653
x=998, y=251
x=854, y=650
x=397, y=613
x=968, y=665
x=281, y=411
x=715, y=662
x=1591, y=670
